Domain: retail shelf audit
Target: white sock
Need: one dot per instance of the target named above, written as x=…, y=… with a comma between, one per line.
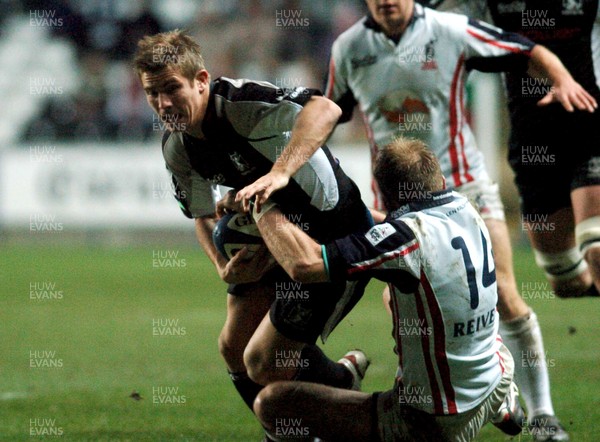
x=523, y=337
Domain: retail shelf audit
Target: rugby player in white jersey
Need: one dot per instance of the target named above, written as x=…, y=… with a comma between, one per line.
x=434, y=251
x=560, y=190
x=406, y=67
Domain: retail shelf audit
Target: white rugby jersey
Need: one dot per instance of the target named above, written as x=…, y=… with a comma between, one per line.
x=416, y=87
x=436, y=257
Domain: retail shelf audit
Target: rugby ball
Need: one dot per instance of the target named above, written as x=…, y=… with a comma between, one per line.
x=235, y=231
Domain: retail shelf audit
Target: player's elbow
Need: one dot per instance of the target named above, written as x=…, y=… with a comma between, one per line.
x=328, y=109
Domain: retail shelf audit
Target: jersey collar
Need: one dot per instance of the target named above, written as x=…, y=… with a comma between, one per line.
x=437, y=199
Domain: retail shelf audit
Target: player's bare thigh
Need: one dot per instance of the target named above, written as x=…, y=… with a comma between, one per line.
x=270, y=356
x=244, y=314
x=303, y=408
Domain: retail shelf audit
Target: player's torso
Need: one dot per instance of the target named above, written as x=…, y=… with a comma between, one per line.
x=447, y=331
x=413, y=88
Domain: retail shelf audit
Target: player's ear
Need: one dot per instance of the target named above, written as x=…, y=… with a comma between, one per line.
x=202, y=78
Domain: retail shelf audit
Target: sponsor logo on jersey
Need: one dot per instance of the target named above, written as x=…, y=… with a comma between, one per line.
x=380, y=232
x=572, y=7
x=407, y=110
x=362, y=62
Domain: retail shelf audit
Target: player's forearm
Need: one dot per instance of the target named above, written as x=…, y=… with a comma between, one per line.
x=204, y=228
x=311, y=129
x=298, y=254
x=545, y=64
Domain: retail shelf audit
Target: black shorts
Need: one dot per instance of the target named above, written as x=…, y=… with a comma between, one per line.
x=301, y=311
x=547, y=161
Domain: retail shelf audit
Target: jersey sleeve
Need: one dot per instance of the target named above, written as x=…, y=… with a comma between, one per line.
x=337, y=88
x=491, y=49
x=388, y=251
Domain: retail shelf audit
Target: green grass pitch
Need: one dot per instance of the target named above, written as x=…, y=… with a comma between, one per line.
x=69, y=364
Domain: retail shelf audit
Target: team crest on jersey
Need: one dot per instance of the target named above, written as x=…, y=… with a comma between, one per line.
x=380, y=232
x=572, y=7
x=362, y=62
x=240, y=163
x=429, y=63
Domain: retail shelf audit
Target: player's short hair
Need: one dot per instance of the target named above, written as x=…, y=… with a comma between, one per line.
x=174, y=49
x=406, y=163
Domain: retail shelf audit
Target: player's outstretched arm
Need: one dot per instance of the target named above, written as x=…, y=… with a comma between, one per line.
x=544, y=63
x=295, y=251
x=237, y=270
x=312, y=127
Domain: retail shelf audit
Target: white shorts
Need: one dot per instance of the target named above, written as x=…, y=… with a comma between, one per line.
x=399, y=422
x=484, y=194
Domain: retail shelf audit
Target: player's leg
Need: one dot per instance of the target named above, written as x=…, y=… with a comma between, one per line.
x=553, y=240
x=586, y=208
x=270, y=356
x=244, y=314
x=301, y=409
x=283, y=347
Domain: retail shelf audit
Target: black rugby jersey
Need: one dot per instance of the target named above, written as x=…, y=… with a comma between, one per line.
x=246, y=127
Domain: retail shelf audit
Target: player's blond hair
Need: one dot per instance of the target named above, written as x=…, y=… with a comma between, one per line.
x=168, y=50
x=410, y=163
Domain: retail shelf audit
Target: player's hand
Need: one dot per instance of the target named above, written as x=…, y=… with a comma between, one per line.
x=240, y=269
x=228, y=204
x=262, y=188
x=571, y=95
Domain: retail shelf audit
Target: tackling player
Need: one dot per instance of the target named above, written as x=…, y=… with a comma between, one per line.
x=230, y=132
x=434, y=251
x=559, y=186
x=406, y=66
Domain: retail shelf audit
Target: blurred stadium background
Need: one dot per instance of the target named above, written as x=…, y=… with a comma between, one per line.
x=99, y=264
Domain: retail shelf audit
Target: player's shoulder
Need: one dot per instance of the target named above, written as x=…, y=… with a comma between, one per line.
x=242, y=89
x=445, y=20
x=355, y=35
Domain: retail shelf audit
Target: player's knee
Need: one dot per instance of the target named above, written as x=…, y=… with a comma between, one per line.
x=231, y=351
x=565, y=270
x=269, y=403
x=257, y=365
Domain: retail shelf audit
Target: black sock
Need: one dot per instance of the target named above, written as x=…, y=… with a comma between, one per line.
x=246, y=387
x=318, y=368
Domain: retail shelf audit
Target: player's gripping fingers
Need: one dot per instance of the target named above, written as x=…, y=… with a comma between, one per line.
x=228, y=204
